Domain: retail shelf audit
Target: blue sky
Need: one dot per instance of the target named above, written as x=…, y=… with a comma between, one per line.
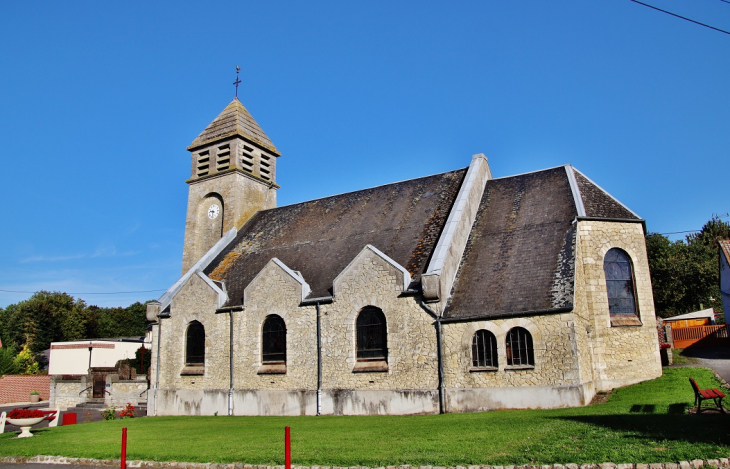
x=98, y=101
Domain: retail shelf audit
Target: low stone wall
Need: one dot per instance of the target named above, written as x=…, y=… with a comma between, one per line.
x=17, y=388
x=123, y=392
x=723, y=463
x=67, y=393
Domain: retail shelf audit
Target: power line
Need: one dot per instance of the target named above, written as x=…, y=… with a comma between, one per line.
x=90, y=293
x=678, y=232
x=682, y=17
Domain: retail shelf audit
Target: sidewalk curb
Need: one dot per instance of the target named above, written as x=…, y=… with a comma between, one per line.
x=723, y=463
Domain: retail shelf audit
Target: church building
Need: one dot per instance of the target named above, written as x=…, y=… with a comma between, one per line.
x=456, y=292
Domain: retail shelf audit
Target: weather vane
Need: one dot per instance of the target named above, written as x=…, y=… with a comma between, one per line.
x=238, y=69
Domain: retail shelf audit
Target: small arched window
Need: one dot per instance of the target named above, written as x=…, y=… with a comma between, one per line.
x=195, y=344
x=519, y=348
x=372, y=335
x=273, y=340
x=620, y=284
x=484, y=350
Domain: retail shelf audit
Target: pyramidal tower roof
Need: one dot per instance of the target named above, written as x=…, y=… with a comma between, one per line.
x=234, y=120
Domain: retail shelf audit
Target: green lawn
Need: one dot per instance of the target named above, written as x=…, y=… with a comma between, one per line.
x=642, y=423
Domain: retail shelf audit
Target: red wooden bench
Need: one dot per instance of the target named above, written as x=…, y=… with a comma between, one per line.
x=704, y=394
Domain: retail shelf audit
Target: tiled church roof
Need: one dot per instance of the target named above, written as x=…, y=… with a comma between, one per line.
x=234, y=120
x=319, y=238
x=598, y=203
x=520, y=256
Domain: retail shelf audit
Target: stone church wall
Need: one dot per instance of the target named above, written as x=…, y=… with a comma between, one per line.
x=554, y=381
x=408, y=385
x=618, y=355
x=576, y=353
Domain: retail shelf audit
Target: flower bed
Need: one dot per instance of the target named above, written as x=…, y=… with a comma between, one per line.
x=26, y=413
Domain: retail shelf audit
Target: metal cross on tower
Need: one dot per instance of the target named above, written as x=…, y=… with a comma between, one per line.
x=238, y=69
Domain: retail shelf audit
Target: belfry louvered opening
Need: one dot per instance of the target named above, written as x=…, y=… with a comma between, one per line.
x=247, y=158
x=203, y=163
x=223, y=160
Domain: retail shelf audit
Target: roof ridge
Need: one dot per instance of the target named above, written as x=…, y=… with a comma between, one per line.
x=528, y=172
x=362, y=190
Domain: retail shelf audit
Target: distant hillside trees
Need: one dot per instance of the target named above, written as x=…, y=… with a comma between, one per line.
x=685, y=274
x=55, y=317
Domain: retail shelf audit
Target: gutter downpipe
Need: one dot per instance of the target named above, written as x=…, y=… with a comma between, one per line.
x=439, y=354
x=157, y=365
x=230, y=310
x=316, y=302
x=319, y=362
x=230, y=359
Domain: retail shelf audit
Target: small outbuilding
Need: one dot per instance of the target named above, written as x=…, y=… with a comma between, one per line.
x=705, y=317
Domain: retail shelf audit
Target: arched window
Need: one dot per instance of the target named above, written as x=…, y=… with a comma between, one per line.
x=372, y=335
x=273, y=340
x=620, y=284
x=195, y=344
x=519, y=348
x=484, y=350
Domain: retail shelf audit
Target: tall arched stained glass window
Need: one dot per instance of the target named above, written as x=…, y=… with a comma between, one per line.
x=195, y=344
x=620, y=284
x=273, y=348
x=372, y=335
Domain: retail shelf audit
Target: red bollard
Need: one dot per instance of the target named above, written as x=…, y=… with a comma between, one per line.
x=124, y=448
x=287, y=448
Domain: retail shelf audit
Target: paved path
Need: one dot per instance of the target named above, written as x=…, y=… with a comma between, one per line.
x=717, y=359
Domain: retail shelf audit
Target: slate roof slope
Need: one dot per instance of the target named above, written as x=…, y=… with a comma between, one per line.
x=321, y=237
x=234, y=120
x=599, y=203
x=520, y=256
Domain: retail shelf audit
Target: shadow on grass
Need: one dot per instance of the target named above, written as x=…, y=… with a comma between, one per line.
x=675, y=425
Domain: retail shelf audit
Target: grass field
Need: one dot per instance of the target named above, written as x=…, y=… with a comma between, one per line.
x=646, y=423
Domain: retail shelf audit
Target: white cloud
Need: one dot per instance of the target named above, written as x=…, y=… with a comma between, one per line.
x=41, y=258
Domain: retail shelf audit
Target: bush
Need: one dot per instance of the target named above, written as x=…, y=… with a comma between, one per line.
x=127, y=412
x=110, y=413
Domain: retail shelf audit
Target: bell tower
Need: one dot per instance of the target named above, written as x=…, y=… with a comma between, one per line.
x=233, y=177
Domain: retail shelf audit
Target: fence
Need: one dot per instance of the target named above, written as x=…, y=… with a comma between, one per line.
x=17, y=388
x=700, y=336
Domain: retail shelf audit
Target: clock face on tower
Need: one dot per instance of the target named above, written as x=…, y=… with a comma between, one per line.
x=213, y=211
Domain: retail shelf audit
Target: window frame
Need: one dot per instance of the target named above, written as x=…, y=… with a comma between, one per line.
x=196, y=366
x=273, y=320
x=621, y=318
x=525, y=346
x=488, y=363
x=371, y=359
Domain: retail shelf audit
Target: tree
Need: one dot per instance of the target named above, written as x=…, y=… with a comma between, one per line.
x=121, y=322
x=7, y=361
x=685, y=275
x=42, y=318
x=26, y=363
